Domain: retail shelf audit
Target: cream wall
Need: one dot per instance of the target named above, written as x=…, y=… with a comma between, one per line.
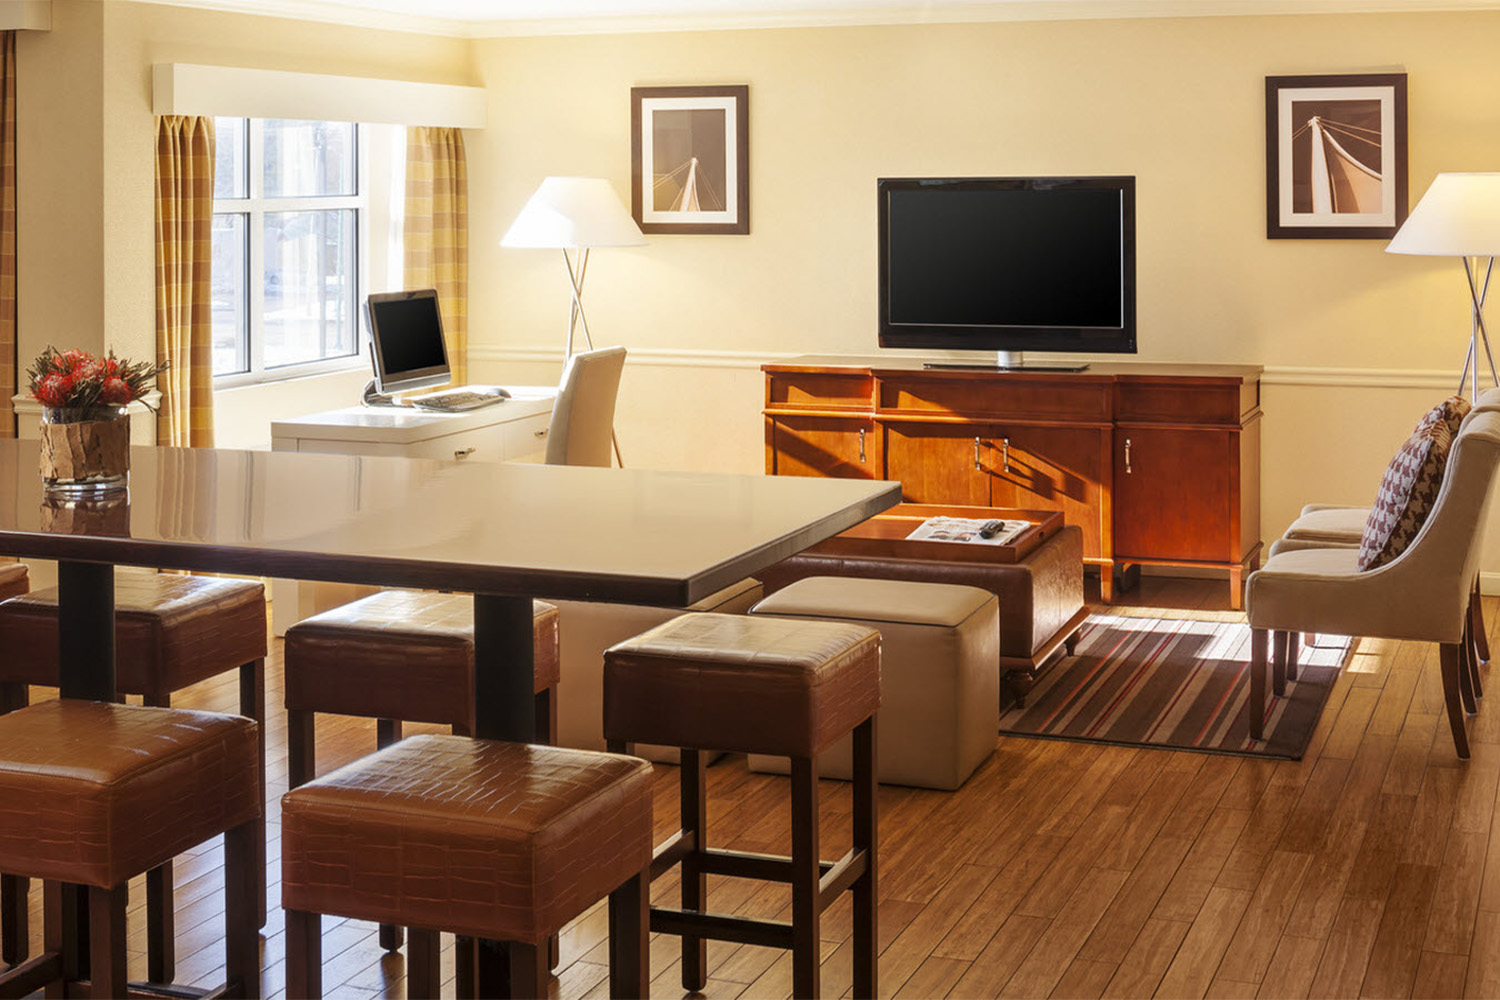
x=1356, y=342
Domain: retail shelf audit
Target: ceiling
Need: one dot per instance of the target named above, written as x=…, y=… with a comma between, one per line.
x=487, y=18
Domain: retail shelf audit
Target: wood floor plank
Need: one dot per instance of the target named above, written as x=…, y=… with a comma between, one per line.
x=1290, y=974
x=1249, y=954
x=1397, y=951
x=1152, y=951
x=1197, y=960
x=1440, y=976
x=1059, y=944
x=1341, y=970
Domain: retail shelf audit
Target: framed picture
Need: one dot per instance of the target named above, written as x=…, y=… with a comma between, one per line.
x=1335, y=156
x=690, y=159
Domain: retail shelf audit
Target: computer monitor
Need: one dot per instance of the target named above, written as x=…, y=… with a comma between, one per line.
x=406, y=338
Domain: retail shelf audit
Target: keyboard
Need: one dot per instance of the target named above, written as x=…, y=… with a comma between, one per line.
x=457, y=402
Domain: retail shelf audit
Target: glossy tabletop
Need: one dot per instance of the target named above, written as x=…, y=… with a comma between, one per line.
x=620, y=535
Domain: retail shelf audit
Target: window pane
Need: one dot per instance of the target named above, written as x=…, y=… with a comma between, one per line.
x=230, y=308
x=310, y=275
x=231, y=172
x=308, y=158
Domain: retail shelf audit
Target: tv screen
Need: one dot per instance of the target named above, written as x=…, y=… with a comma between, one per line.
x=1008, y=264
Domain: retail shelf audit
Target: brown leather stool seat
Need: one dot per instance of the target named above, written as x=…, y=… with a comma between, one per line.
x=488, y=839
x=13, y=580
x=171, y=631
x=398, y=656
x=93, y=794
x=791, y=688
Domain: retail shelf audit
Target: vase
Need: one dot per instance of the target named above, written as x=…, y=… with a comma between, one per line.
x=85, y=452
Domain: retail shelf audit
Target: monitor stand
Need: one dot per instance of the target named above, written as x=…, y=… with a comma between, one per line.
x=1005, y=361
x=372, y=396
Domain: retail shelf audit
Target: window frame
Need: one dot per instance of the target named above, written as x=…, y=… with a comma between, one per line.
x=253, y=209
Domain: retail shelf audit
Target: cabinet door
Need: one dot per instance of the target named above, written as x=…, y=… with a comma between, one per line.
x=937, y=463
x=1172, y=493
x=840, y=447
x=1052, y=468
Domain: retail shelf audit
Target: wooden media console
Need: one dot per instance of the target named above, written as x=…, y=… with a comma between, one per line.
x=1158, y=464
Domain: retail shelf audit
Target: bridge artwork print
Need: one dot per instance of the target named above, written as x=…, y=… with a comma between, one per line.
x=690, y=159
x=1335, y=156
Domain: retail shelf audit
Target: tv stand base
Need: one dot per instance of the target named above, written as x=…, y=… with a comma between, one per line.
x=990, y=367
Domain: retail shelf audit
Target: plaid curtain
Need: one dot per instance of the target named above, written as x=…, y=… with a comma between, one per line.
x=184, y=254
x=9, y=363
x=436, y=232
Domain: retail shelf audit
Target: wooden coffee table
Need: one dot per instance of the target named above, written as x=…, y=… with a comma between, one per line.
x=1038, y=577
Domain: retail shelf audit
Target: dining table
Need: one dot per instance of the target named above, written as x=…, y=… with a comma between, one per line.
x=505, y=532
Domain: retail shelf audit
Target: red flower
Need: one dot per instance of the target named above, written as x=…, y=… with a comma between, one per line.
x=54, y=390
x=116, y=391
x=69, y=361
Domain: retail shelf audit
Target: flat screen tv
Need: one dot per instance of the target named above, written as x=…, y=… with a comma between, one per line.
x=1008, y=264
x=406, y=340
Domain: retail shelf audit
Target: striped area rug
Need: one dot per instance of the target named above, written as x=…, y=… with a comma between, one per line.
x=1175, y=682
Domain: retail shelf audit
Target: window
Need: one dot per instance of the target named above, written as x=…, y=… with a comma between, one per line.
x=289, y=211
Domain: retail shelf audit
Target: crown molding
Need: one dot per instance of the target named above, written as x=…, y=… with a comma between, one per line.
x=844, y=15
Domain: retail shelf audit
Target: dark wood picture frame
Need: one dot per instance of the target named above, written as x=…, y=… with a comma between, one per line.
x=1313, y=166
x=709, y=131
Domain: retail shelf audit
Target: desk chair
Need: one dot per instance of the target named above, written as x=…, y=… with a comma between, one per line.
x=583, y=419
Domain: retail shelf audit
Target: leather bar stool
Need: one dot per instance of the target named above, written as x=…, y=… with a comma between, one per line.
x=398, y=656
x=766, y=686
x=479, y=838
x=93, y=794
x=171, y=631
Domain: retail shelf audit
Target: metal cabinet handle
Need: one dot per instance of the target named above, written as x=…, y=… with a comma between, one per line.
x=976, y=453
x=1127, y=457
x=861, y=445
x=542, y=433
x=1005, y=454
x=463, y=453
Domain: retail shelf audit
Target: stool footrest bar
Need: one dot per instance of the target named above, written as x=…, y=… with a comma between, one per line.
x=747, y=864
x=671, y=851
x=30, y=976
x=839, y=877
x=721, y=927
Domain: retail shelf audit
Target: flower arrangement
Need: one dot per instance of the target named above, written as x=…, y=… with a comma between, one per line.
x=77, y=380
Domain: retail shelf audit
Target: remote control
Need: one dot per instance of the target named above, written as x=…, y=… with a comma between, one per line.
x=990, y=529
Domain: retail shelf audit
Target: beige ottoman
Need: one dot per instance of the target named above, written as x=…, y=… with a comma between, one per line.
x=586, y=629
x=940, y=689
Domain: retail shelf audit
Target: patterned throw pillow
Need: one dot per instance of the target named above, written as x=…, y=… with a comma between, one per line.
x=1450, y=411
x=1407, y=492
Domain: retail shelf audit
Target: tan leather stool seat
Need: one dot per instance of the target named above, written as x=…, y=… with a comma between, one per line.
x=480, y=838
x=171, y=631
x=736, y=683
x=400, y=654
x=13, y=580
x=94, y=793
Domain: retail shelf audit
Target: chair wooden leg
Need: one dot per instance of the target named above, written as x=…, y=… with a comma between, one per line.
x=304, y=955
x=1476, y=621
x=1278, y=662
x=1292, y=654
x=629, y=938
x=466, y=973
x=1449, y=656
x=546, y=716
x=59, y=917
x=423, y=970
x=253, y=705
x=107, y=941
x=694, y=881
x=806, y=916
x=301, y=752
x=388, y=731
x=1471, y=645
x=1255, y=707
x=1465, y=654
x=244, y=880
x=866, y=839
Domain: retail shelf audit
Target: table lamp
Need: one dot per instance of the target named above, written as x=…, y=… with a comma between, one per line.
x=578, y=214
x=1459, y=216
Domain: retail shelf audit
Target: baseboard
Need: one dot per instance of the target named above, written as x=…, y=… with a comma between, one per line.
x=1489, y=584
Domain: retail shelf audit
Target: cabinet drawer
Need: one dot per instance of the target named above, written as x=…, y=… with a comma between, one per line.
x=998, y=398
x=1155, y=402
x=818, y=391
x=514, y=440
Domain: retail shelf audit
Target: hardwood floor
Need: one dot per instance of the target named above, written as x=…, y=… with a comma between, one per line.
x=1371, y=868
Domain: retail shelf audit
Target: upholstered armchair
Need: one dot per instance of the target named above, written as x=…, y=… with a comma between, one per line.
x=1422, y=594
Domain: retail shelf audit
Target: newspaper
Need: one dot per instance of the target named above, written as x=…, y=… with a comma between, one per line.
x=966, y=529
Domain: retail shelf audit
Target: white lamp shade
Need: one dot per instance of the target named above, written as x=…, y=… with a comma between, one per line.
x=574, y=213
x=1459, y=216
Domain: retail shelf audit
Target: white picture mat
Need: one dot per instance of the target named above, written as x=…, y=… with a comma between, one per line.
x=649, y=107
x=1386, y=95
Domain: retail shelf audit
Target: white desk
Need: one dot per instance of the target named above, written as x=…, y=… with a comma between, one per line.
x=515, y=430
x=512, y=431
